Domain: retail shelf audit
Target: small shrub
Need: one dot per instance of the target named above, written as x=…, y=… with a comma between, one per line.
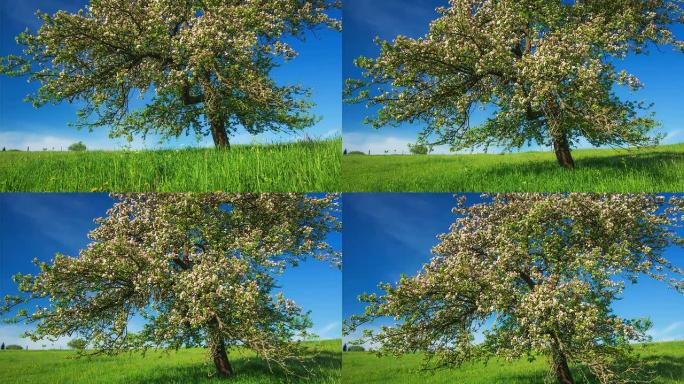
x=356, y=348
x=77, y=147
x=14, y=347
x=356, y=153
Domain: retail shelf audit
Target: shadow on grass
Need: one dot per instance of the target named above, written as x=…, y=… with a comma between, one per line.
x=657, y=368
x=650, y=164
x=638, y=161
x=666, y=367
x=320, y=367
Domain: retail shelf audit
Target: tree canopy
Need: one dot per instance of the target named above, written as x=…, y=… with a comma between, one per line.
x=545, y=71
x=537, y=274
x=199, y=269
x=198, y=63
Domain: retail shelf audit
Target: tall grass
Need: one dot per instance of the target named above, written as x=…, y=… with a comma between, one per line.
x=665, y=360
x=657, y=169
x=157, y=367
x=308, y=166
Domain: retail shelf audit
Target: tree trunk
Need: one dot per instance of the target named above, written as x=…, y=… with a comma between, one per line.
x=560, y=365
x=218, y=350
x=219, y=134
x=220, y=356
x=562, y=149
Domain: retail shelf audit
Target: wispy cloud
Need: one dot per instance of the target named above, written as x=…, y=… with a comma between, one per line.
x=387, y=18
x=51, y=209
x=674, y=136
x=22, y=13
x=331, y=330
x=673, y=331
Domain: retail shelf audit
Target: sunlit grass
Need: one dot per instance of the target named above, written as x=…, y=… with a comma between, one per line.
x=665, y=360
x=657, y=169
x=183, y=366
x=307, y=166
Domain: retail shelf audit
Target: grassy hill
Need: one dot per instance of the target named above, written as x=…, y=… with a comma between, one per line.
x=311, y=166
x=665, y=359
x=184, y=366
x=656, y=169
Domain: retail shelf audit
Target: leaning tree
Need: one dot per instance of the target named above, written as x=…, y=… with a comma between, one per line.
x=545, y=71
x=197, y=64
x=200, y=270
x=537, y=274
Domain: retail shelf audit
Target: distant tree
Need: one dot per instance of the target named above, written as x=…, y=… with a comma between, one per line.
x=204, y=65
x=355, y=348
x=77, y=147
x=79, y=344
x=2, y=346
x=3, y=149
x=356, y=153
x=345, y=151
x=546, y=70
x=344, y=347
x=199, y=268
x=546, y=270
x=13, y=347
x=419, y=149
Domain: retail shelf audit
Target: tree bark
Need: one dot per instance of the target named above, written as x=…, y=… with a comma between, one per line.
x=220, y=356
x=219, y=134
x=560, y=365
x=218, y=350
x=562, y=149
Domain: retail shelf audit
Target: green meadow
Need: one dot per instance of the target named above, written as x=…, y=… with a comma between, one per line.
x=654, y=169
x=306, y=166
x=665, y=360
x=157, y=367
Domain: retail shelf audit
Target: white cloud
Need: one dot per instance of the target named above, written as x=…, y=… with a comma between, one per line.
x=22, y=140
x=674, y=136
x=674, y=331
x=330, y=331
x=12, y=334
x=379, y=143
x=376, y=144
x=33, y=141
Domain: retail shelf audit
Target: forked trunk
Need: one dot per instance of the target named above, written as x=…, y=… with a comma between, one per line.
x=219, y=134
x=220, y=357
x=562, y=149
x=560, y=366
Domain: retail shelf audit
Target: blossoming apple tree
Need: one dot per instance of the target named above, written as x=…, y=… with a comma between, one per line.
x=537, y=274
x=199, y=268
x=198, y=64
x=545, y=72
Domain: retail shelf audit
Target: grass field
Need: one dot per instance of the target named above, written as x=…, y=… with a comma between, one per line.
x=658, y=169
x=312, y=166
x=184, y=366
x=665, y=359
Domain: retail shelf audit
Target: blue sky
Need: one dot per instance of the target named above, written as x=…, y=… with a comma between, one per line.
x=318, y=67
x=40, y=225
x=386, y=235
x=364, y=20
